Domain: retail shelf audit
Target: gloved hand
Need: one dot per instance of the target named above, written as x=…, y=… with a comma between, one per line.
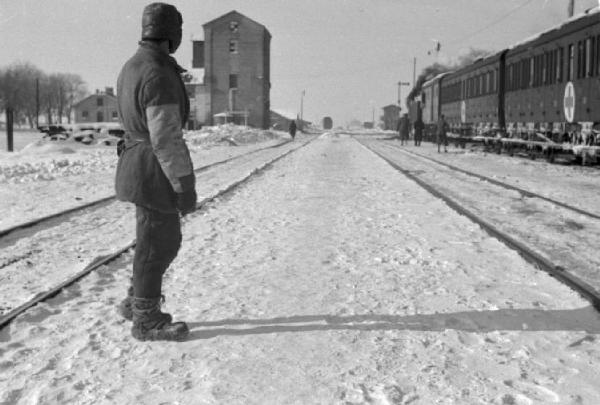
x=186, y=200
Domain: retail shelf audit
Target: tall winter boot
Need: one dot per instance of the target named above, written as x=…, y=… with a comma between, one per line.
x=150, y=324
x=126, y=311
x=124, y=308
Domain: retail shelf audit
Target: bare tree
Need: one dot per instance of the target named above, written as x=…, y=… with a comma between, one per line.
x=17, y=89
x=57, y=92
x=74, y=89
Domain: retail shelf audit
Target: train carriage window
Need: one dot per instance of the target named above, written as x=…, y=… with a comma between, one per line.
x=544, y=58
x=560, y=65
x=570, y=62
x=553, y=66
x=598, y=55
x=588, y=57
x=542, y=68
x=580, y=59
x=536, y=69
x=531, y=70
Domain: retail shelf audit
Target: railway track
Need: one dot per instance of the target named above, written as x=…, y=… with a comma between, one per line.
x=7, y=318
x=98, y=202
x=523, y=192
x=565, y=274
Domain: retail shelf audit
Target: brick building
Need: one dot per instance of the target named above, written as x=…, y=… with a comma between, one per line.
x=235, y=56
x=99, y=107
x=391, y=115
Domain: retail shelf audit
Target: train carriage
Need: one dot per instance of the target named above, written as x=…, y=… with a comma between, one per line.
x=472, y=99
x=430, y=105
x=553, y=85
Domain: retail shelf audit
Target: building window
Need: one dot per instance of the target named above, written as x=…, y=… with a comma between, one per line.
x=84, y=114
x=99, y=102
x=115, y=115
x=99, y=116
x=233, y=81
x=233, y=26
x=233, y=46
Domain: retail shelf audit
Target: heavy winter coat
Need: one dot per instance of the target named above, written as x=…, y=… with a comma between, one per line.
x=153, y=106
x=403, y=128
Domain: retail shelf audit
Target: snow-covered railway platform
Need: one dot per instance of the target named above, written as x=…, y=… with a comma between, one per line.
x=331, y=278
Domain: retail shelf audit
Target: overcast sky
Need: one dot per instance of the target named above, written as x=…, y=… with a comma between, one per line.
x=347, y=54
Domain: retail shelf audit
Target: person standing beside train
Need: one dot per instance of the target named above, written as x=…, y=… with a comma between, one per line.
x=418, y=127
x=441, y=137
x=403, y=129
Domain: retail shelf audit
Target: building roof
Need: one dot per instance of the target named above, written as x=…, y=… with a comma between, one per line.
x=93, y=95
x=237, y=14
x=390, y=106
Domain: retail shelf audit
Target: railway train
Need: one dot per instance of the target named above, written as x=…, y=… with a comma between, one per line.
x=542, y=93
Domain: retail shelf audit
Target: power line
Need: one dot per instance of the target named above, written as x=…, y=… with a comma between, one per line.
x=502, y=17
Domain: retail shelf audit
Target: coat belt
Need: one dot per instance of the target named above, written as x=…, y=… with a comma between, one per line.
x=133, y=138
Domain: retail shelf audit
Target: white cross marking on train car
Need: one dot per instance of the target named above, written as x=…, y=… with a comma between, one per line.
x=569, y=102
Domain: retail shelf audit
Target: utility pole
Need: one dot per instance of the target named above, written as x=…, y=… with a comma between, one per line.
x=37, y=102
x=302, y=109
x=400, y=84
x=9, y=129
x=414, y=71
x=571, y=8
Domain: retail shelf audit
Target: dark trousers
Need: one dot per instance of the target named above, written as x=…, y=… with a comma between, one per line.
x=158, y=238
x=418, y=138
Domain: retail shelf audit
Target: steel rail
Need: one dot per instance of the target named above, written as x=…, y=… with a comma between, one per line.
x=584, y=289
x=7, y=318
x=507, y=186
x=68, y=211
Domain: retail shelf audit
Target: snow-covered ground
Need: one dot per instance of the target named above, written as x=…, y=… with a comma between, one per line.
x=35, y=259
x=45, y=176
x=567, y=238
x=329, y=279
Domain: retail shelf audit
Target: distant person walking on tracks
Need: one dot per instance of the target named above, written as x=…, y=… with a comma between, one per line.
x=403, y=129
x=293, y=129
x=441, y=137
x=154, y=170
x=418, y=127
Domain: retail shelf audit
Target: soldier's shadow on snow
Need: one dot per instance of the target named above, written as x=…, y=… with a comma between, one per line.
x=585, y=319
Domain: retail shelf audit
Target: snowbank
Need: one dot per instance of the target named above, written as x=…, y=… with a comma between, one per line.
x=231, y=134
x=44, y=160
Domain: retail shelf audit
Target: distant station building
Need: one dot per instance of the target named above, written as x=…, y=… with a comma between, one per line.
x=391, y=115
x=99, y=107
x=327, y=123
x=235, y=59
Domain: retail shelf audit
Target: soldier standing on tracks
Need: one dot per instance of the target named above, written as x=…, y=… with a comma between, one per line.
x=154, y=171
x=441, y=137
x=418, y=126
